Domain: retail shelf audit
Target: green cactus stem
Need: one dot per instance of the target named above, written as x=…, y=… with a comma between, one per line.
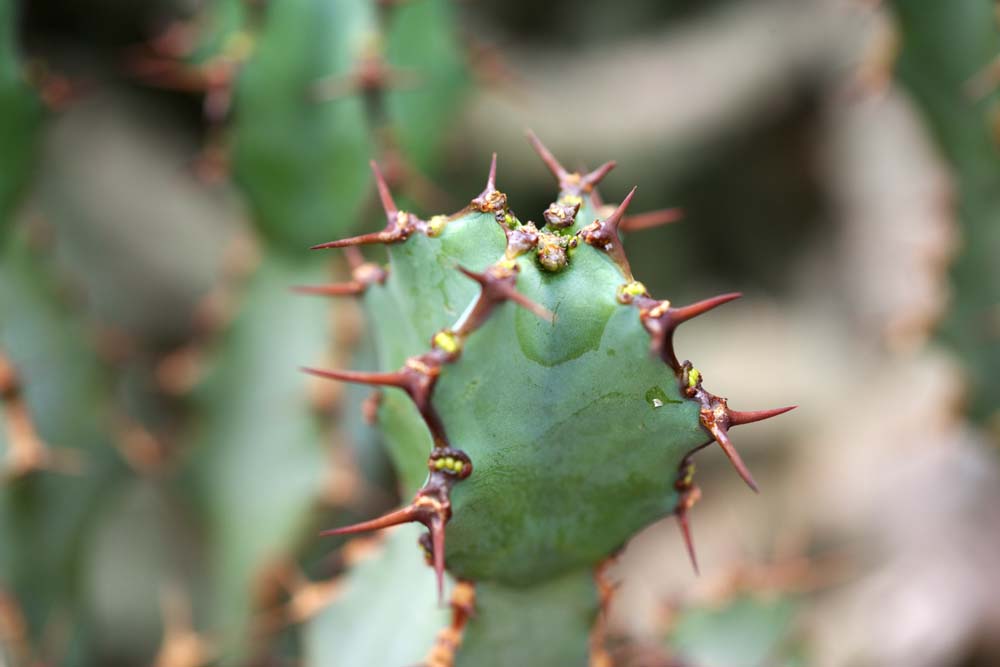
x=545, y=454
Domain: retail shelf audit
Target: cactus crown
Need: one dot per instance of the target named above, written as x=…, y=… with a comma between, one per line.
x=552, y=437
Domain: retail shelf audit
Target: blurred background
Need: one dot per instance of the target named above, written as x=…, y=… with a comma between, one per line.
x=165, y=165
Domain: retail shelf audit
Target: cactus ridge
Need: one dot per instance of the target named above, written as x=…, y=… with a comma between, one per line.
x=547, y=250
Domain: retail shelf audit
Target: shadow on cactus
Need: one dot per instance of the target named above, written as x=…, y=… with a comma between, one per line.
x=552, y=435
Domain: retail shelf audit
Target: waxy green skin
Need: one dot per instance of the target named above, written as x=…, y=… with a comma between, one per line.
x=21, y=115
x=570, y=458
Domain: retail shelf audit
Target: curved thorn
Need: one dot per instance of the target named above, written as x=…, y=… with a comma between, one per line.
x=491, y=180
x=547, y=157
x=383, y=192
x=395, y=379
x=682, y=521
x=722, y=437
x=407, y=514
x=436, y=528
x=591, y=179
x=663, y=216
x=738, y=417
x=615, y=219
x=352, y=288
x=685, y=313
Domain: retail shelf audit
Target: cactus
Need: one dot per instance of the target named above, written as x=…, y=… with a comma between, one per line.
x=538, y=435
x=20, y=116
x=946, y=51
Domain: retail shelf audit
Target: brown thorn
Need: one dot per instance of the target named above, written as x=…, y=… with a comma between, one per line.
x=384, y=195
x=721, y=436
x=739, y=417
x=615, y=219
x=682, y=521
x=547, y=157
x=364, y=239
x=354, y=257
x=651, y=219
x=503, y=288
x=590, y=180
x=352, y=288
x=685, y=313
x=603, y=234
x=407, y=514
x=491, y=180
x=529, y=305
x=394, y=379
x=436, y=527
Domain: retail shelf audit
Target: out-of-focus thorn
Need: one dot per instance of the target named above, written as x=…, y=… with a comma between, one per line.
x=370, y=406
x=738, y=417
x=181, y=645
x=547, y=157
x=590, y=180
x=350, y=288
x=640, y=221
x=354, y=256
x=372, y=75
x=449, y=639
x=384, y=194
x=56, y=90
x=984, y=82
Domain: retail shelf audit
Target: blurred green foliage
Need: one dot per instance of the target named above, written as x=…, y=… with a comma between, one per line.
x=944, y=47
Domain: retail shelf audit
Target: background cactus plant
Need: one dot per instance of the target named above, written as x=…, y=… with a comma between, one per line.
x=168, y=470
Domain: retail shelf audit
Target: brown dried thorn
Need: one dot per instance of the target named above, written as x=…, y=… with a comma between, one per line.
x=491, y=179
x=350, y=288
x=650, y=219
x=685, y=526
x=416, y=378
x=721, y=435
x=572, y=181
x=661, y=321
x=739, y=417
x=384, y=194
x=431, y=507
x=590, y=180
x=407, y=514
x=603, y=234
x=497, y=287
x=354, y=256
x=398, y=227
x=547, y=157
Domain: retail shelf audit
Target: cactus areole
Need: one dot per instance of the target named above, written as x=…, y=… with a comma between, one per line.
x=534, y=403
